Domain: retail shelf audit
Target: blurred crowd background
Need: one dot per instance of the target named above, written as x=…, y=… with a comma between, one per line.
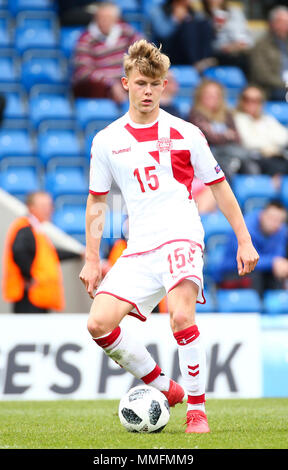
x=60, y=69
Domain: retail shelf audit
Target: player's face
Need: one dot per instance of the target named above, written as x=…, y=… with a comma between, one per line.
x=144, y=95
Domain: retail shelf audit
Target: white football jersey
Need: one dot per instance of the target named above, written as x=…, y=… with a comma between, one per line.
x=154, y=166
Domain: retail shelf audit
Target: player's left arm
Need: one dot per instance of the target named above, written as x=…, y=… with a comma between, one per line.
x=247, y=256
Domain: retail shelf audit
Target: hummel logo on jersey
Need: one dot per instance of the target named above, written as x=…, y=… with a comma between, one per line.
x=116, y=152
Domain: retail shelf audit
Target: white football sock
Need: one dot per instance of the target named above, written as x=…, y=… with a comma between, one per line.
x=192, y=362
x=133, y=357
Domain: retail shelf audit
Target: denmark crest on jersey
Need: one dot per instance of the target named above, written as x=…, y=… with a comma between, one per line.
x=164, y=144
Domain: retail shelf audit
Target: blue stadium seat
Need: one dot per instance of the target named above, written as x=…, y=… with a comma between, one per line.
x=284, y=191
x=50, y=107
x=215, y=250
x=5, y=39
x=35, y=38
x=217, y=230
x=15, y=142
x=56, y=143
x=278, y=109
x=147, y=5
x=114, y=226
x=16, y=6
x=137, y=21
x=253, y=191
x=214, y=224
x=128, y=6
x=230, y=77
x=8, y=68
x=5, y=30
x=37, y=19
x=19, y=180
x=16, y=106
x=68, y=38
x=43, y=70
x=66, y=181
x=275, y=302
x=100, y=111
x=186, y=75
x=88, y=142
x=187, y=78
x=238, y=301
x=209, y=306
x=183, y=105
x=71, y=219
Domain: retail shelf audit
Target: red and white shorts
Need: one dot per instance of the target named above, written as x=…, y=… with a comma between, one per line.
x=144, y=279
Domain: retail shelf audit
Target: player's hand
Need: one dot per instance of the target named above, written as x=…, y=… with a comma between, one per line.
x=91, y=275
x=247, y=258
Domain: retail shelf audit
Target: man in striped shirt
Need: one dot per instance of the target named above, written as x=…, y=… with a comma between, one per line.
x=98, y=57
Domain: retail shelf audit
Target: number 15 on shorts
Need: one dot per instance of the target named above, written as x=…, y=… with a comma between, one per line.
x=181, y=259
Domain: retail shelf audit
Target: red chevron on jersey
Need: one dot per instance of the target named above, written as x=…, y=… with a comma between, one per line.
x=155, y=155
x=182, y=169
x=144, y=134
x=174, y=134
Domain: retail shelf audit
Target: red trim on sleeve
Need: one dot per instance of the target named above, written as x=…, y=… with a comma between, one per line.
x=215, y=181
x=97, y=194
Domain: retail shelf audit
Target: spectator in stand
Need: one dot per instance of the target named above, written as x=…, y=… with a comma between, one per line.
x=233, y=39
x=268, y=231
x=186, y=36
x=32, y=278
x=269, y=56
x=211, y=114
x=261, y=133
x=99, y=54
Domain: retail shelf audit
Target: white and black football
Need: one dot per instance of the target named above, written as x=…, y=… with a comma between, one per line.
x=144, y=409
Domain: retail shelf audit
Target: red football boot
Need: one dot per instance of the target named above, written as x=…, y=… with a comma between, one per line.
x=197, y=422
x=175, y=394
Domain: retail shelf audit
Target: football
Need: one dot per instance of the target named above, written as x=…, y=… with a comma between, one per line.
x=144, y=409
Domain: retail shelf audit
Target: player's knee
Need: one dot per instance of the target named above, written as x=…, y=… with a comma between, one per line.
x=181, y=320
x=96, y=327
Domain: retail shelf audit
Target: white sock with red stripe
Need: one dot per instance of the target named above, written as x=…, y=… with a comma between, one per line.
x=192, y=361
x=133, y=357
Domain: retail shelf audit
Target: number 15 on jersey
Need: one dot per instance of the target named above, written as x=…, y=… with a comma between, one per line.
x=147, y=178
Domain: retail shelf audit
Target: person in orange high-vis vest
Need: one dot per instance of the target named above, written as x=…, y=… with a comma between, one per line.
x=32, y=277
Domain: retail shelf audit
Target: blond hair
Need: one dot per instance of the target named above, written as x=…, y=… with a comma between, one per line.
x=147, y=58
x=220, y=114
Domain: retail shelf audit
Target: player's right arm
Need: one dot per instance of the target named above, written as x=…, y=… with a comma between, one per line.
x=99, y=186
x=95, y=218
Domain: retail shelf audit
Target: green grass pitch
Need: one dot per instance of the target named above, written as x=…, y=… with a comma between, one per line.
x=235, y=424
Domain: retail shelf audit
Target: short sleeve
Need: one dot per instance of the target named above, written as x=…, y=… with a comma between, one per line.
x=206, y=168
x=100, y=174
